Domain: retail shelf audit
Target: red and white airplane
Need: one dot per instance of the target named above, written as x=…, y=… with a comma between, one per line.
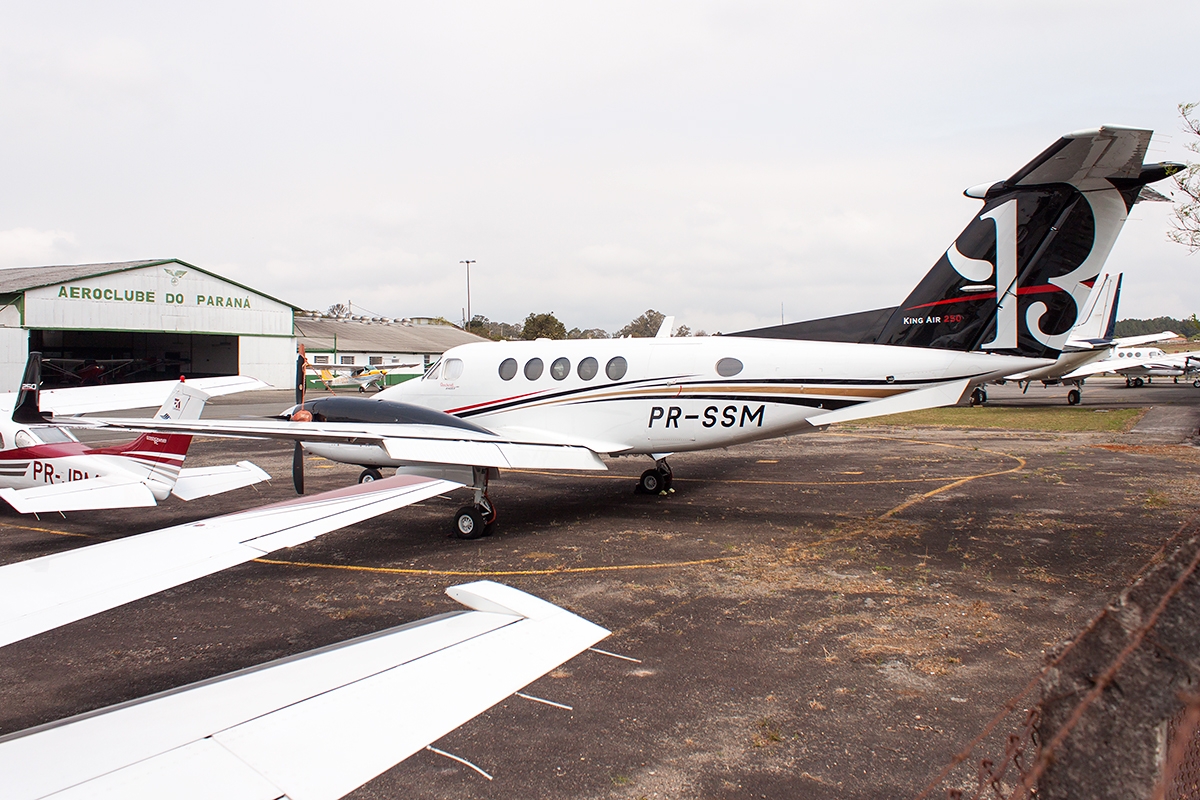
x=1001, y=300
x=43, y=467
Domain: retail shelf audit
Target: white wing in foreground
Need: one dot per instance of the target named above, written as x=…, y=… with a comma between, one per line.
x=44, y=593
x=309, y=727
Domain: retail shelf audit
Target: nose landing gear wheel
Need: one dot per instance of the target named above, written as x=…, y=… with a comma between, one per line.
x=370, y=475
x=1073, y=397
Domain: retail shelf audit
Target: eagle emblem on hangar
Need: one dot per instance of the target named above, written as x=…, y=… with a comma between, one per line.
x=175, y=274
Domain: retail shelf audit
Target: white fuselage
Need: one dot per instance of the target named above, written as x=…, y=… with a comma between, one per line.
x=46, y=455
x=675, y=394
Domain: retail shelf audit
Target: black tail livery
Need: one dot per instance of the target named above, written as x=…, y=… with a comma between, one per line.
x=1016, y=279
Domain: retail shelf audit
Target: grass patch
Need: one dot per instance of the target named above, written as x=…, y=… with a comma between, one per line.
x=1049, y=418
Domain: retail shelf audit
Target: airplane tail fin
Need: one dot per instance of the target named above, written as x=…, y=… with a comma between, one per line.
x=27, y=410
x=160, y=456
x=1016, y=278
x=1099, y=317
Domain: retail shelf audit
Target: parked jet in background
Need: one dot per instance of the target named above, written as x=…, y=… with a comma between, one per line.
x=43, y=467
x=1138, y=364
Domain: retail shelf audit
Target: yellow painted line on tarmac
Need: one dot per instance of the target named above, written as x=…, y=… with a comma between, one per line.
x=495, y=573
x=47, y=530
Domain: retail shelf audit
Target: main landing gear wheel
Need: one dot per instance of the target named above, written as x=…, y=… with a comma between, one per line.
x=1073, y=397
x=656, y=480
x=370, y=475
x=472, y=522
x=978, y=396
x=652, y=482
x=1196, y=383
x=1138, y=382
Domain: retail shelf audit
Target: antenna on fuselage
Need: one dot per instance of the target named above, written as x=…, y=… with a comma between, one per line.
x=27, y=410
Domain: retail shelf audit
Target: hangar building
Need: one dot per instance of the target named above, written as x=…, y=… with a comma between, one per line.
x=164, y=317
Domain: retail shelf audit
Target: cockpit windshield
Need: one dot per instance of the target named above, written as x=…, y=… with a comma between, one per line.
x=432, y=373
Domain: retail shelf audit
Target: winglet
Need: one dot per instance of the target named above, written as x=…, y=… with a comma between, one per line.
x=500, y=599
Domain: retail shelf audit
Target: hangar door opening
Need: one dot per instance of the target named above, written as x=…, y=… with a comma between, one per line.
x=74, y=358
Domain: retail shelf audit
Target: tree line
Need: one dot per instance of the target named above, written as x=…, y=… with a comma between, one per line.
x=548, y=326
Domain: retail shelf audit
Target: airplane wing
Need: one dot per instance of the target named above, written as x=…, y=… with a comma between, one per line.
x=196, y=482
x=434, y=444
x=106, y=491
x=313, y=726
x=44, y=593
x=92, y=399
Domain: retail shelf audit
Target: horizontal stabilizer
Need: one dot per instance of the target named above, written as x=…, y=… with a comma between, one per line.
x=89, y=494
x=316, y=725
x=946, y=394
x=206, y=481
x=43, y=593
x=1145, y=338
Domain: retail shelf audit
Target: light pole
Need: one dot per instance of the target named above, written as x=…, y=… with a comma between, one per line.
x=467, y=323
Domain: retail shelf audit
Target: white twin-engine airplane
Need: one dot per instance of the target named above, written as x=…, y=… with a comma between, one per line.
x=43, y=467
x=1001, y=300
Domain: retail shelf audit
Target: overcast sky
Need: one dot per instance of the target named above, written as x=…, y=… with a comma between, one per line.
x=709, y=160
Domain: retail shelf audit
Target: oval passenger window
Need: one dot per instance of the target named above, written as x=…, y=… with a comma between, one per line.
x=560, y=369
x=533, y=369
x=453, y=370
x=508, y=369
x=728, y=367
x=588, y=368
x=615, y=370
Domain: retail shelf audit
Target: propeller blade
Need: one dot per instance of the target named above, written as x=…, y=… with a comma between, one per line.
x=298, y=468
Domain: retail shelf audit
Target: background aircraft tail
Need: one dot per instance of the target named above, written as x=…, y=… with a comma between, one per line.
x=27, y=410
x=1015, y=280
x=158, y=457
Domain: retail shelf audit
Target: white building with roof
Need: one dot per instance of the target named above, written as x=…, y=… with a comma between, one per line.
x=363, y=342
x=164, y=317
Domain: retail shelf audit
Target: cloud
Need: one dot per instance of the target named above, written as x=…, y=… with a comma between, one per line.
x=27, y=247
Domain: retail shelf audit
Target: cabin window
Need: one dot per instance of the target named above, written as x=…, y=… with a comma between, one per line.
x=23, y=439
x=615, y=370
x=508, y=369
x=433, y=371
x=347, y=360
x=560, y=369
x=728, y=367
x=320, y=359
x=454, y=369
x=588, y=368
x=533, y=369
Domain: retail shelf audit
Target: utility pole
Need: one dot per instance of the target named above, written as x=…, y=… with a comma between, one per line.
x=467, y=322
